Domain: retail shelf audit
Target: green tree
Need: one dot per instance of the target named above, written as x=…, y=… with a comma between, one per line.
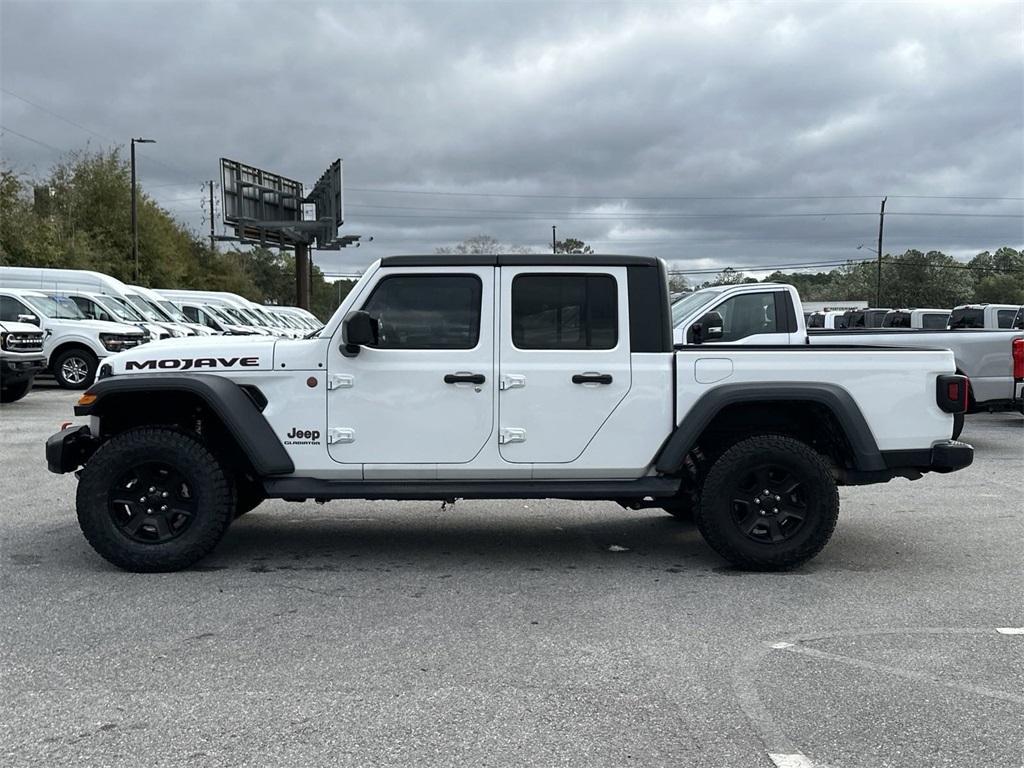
x=481, y=244
x=572, y=245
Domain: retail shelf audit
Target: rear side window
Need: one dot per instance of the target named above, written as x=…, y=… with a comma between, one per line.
x=748, y=314
x=967, y=318
x=816, y=321
x=896, y=320
x=427, y=311
x=1004, y=317
x=551, y=311
x=934, y=320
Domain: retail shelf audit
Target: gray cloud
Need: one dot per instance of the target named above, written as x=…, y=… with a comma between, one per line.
x=624, y=101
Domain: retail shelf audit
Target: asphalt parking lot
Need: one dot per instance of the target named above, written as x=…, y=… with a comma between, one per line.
x=517, y=633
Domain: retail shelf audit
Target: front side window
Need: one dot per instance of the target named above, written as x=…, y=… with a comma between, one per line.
x=747, y=314
x=10, y=308
x=934, y=320
x=427, y=311
x=1004, y=318
x=551, y=311
x=816, y=321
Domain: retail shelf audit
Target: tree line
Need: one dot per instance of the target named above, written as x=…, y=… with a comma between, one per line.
x=78, y=217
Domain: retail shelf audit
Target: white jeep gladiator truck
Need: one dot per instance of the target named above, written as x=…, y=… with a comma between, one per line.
x=510, y=376
x=771, y=313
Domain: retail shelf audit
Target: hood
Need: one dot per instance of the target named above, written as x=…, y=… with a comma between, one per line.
x=9, y=326
x=205, y=354
x=100, y=326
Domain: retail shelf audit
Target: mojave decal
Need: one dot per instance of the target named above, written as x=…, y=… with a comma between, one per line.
x=185, y=363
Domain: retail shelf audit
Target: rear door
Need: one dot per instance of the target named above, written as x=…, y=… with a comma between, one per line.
x=563, y=361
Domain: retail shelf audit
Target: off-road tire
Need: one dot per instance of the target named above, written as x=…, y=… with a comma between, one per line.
x=209, y=485
x=717, y=512
x=11, y=393
x=85, y=358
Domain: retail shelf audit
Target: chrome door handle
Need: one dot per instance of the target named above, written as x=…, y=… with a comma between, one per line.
x=592, y=378
x=464, y=378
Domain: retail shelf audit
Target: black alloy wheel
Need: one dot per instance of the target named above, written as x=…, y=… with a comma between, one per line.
x=151, y=503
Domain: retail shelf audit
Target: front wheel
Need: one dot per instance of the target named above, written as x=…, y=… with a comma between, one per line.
x=75, y=368
x=13, y=392
x=154, y=499
x=768, y=503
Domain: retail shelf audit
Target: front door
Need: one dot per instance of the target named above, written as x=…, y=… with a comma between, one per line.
x=425, y=393
x=755, y=318
x=564, y=360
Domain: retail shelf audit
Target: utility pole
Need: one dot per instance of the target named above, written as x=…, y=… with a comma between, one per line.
x=554, y=247
x=213, y=235
x=302, y=275
x=881, y=224
x=135, y=215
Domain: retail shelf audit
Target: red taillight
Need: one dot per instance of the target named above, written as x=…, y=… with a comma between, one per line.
x=953, y=391
x=1018, y=358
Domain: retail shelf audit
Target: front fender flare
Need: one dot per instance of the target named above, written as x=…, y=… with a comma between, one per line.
x=224, y=397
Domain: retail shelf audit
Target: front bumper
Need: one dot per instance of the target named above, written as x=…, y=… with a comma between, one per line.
x=69, y=449
x=17, y=371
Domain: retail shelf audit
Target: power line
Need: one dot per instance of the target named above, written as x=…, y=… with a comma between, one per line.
x=563, y=196
x=69, y=121
x=29, y=138
x=583, y=216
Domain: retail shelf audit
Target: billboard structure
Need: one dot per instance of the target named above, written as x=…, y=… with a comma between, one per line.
x=271, y=209
x=265, y=208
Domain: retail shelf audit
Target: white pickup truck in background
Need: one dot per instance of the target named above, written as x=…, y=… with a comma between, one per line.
x=771, y=314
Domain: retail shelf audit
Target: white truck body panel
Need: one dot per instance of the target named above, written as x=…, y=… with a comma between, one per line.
x=386, y=413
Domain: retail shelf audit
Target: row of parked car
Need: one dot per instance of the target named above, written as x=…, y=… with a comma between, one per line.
x=976, y=316
x=65, y=321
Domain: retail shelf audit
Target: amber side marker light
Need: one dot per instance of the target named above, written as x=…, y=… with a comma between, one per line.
x=87, y=399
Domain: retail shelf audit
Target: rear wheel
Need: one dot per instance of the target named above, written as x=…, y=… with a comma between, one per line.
x=769, y=502
x=10, y=393
x=75, y=368
x=154, y=499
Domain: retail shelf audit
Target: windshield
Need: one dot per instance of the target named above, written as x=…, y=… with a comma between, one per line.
x=117, y=310
x=148, y=310
x=690, y=303
x=967, y=318
x=237, y=317
x=61, y=308
x=216, y=314
x=173, y=312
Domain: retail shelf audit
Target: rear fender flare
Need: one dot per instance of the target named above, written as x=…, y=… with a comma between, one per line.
x=685, y=437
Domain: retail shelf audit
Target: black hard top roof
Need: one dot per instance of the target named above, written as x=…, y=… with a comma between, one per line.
x=520, y=260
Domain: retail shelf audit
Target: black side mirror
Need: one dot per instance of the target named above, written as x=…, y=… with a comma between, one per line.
x=31, y=319
x=358, y=329
x=710, y=327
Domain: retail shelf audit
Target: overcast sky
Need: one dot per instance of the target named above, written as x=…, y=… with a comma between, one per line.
x=710, y=134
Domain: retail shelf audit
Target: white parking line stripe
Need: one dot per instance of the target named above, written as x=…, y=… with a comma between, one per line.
x=980, y=690
x=791, y=761
x=1010, y=630
x=781, y=645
